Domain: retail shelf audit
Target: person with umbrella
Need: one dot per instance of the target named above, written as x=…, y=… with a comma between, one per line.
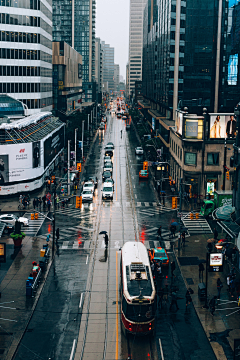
x=173, y=228
x=105, y=237
x=159, y=233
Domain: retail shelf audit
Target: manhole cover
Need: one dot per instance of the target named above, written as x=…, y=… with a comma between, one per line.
x=190, y=281
x=188, y=260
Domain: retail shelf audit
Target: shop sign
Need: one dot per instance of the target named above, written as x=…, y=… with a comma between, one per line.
x=216, y=262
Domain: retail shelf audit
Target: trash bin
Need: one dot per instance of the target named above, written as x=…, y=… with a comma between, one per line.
x=201, y=291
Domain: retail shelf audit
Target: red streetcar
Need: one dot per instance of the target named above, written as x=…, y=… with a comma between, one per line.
x=137, y=290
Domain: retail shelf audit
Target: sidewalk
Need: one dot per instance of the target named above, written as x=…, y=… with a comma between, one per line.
x=220, y=329
x=16, y=309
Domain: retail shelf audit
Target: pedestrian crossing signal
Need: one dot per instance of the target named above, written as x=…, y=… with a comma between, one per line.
x=79, y=167
x=78, y=202
x=174, y=202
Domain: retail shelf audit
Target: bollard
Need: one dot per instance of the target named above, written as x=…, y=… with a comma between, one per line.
x=32, y=216
x=36, y=216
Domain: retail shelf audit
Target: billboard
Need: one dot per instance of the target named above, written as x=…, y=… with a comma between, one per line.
x=222, y=126
x=193, y=127
x=53, y=145
x=179, y=122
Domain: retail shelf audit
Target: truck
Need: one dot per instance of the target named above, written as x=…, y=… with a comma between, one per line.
x=221, y=198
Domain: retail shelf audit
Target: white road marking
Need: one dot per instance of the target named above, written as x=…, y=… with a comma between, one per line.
x=87, y=260
x=80, y=303
x=161, y=350
x=135, y=195
x=73, y=350
x=116, y=246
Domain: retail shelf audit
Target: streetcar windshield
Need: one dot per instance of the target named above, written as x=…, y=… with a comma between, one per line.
x=138, y=313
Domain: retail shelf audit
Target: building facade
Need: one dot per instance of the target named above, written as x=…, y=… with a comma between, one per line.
x=108, y=66
x=26, y=52
x=116, y=77
x=74, y=23
x=98, y=65
x=135, y=43
x=67, y=79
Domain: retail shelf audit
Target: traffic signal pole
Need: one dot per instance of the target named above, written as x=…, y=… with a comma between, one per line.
x=224, y=163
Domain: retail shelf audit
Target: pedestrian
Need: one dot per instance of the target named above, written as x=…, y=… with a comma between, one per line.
x=159, y=271
x=188, y=297
x=40, y=203
x=228, y=282
x=37, y=203
x=152, y=267
x=163, y=198
x=183, y=238
x=63, y=203
x=219, y=287
x=209, y=247
x=57, y=234
x=49, y=204
x=173, y=230
x=215, y=233
x=160, y=297
x=201, y=270
x=34, y=203
x=174, y=300
x=173, y=267
x=121, y=134
x=159, y=232
x=57, y=201
x=212, y=305
x=232, y=287
x=106, y=240
x=44, y=201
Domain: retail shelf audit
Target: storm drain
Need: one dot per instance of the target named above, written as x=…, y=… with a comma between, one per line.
x=188, y=260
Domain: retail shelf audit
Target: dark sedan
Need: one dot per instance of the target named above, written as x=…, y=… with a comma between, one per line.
x=106, y=175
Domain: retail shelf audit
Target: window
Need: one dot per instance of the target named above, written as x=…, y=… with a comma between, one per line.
x=213, y=158
x=190, y=158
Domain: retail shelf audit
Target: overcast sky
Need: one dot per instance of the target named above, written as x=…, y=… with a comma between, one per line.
x=112, y=26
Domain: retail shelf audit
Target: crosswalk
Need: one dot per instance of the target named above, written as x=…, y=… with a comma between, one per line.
x=34, y=225
x=196, y=226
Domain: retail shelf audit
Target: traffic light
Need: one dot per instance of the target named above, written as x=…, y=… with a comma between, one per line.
x=145, y=165
x=174, y=202
x=79, y=167
x=170, y=182
x=78, y=202
x=227, y=175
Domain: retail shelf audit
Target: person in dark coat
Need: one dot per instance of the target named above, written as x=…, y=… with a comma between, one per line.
x=159, y=232
x=173, y=267
x=201, y=270
x=183, y=238
x=57, y=234
x=215, y=233
x=174, y=300
x=106, y=240
x=188, y=297
x=160, y=293
x=212, y=305
x=34, y=203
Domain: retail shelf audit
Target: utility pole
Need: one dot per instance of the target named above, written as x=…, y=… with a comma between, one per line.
x=224, y=163
x=53, y=220
x=69, y=167
x=82, y=136
x=75, y=162
x=91, y=122
x=180, y=195
x=88, y=123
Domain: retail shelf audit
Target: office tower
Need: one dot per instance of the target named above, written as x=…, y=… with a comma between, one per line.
x=98, y=65
x=108, y=66
x=74, y=23
x=26, y=52
x=116, y=77
x=135, y=42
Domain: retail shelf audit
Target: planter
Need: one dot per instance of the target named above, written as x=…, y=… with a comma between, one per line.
x=17, y=239
x=17, y=242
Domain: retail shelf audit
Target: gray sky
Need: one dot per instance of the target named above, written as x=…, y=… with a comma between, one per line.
x=112, y=26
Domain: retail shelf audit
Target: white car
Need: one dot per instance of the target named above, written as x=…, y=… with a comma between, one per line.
x=107, y=191
x=108, y=166
x=89, y=185
x=139, y=150
x=107, y=158
x=11, y=219
x=87, y=195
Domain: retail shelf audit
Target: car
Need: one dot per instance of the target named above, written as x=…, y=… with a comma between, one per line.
x=118, y=115
x=111, y=181
x=108, y=166
x=107, y=191
x=106, y=175
x=94, y=179
x=139, y=150
x=11, y=219
x=143, y=174
x=110, y=144
x=107, y=158
x=128, y=127
x=87, y=195
x=124, y=117
x=159, y=255
x=89, y=185
x=8, y=228
x=109, y=152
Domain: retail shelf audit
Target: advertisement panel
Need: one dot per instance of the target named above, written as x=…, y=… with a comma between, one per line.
x=216, y=262
x=53, y=145
x=179, y=122
x=222, y=126
x=193, y=127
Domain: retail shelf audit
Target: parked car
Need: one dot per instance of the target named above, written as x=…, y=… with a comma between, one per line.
x=107, y=191
x=87, y=195
x=94, y=179
x=11, y=219
x=139, y=150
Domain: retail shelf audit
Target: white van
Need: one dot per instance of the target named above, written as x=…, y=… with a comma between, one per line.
x=107, y=191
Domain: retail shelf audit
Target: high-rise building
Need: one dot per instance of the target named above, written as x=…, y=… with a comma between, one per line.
x=74, y=23
x=135, y=43
x=108, y=66
x=98, y=65
x=116, y=76
x=26, y=52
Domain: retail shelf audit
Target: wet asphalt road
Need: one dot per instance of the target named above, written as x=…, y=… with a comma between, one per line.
x=133, y=214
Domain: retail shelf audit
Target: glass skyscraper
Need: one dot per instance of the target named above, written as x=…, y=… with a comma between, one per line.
x=135, y=42
x=26, y=52
x=108, y=65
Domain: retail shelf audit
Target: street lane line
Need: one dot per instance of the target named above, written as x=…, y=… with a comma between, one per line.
x=116, y=354
x=87, y=260
x=73, y=350
x=80, y=303
x=161, y=350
